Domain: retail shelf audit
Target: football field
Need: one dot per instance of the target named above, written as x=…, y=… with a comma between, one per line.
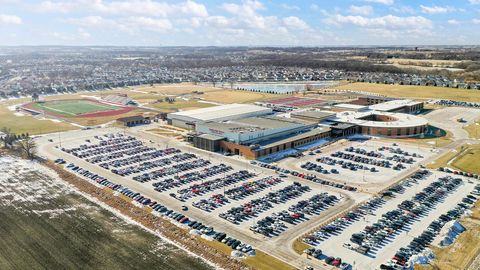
x=74, y=107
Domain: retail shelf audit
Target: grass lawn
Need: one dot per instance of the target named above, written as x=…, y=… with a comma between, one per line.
x=93, y=121
x=261, y=261
x=408, y=91
x=444, y=159
x=29, y=124
x=469, y=160
x=432, y=142
x=264, y=261
x=473, y=130
x=74, y=107
x=299, y=246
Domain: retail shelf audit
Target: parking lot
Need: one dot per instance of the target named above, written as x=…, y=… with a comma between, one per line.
x=251, y=206
x=201, y=186
x=370, y=163
x=375, y=232
x=448, y=119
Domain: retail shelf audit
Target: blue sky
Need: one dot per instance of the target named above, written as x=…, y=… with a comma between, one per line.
x=239, y=23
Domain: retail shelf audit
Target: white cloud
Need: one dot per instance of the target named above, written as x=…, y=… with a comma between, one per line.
x=134, y=7
x=453, y=22
x=217, y=21
x=384, y=2
x=71, y=38
x=61, y=7
x=83, y=33
x=362, y=10
x=476, y=21
x=100, y=23
x=10, y=19
x=89, y=21
x=436, y=9
x=295, y=23
x=290, y=7
x=388, y=21
x=130, y=25
x=403, y=9
x=474, y=2
x=248, y=7
x=157, y=25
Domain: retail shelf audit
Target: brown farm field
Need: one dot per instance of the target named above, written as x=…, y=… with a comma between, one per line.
x=420, y=92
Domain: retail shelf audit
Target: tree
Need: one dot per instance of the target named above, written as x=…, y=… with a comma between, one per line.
x=7, y=138
x=28, y=147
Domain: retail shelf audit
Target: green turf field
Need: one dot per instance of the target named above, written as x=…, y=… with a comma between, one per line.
x=73, y=107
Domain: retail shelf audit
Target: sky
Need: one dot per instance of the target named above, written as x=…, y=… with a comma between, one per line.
x=239, y=23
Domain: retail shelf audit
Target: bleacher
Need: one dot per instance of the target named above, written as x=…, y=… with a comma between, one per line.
x=119, y=99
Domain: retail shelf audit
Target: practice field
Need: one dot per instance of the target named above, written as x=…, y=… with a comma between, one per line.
x=409, y=91
x=74, y=107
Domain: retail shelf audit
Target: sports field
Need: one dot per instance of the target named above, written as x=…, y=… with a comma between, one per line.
x=74, y=107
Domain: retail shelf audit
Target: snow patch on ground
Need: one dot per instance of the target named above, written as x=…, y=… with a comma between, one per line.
x=26, y=185
x=49, y=119
x=138, y=91
x=210, y=102
x=91, y=97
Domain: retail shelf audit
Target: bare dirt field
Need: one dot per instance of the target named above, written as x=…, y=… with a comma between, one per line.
x=425, y=64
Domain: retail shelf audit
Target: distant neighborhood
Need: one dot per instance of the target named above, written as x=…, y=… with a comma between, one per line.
x=67, y=70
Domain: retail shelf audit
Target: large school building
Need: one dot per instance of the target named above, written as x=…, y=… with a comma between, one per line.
x=254, y=131
x=189, y=119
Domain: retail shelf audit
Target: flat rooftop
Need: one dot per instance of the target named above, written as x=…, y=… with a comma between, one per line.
x=286, y=139
x=320, y=115
x=210, y=137
x=252, y=124
x=350, y=106
x=402, y=119
x=222, y=111
x=393, y=105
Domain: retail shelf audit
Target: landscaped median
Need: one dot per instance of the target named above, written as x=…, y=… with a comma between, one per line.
x=212, y=251
x=468, y=160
